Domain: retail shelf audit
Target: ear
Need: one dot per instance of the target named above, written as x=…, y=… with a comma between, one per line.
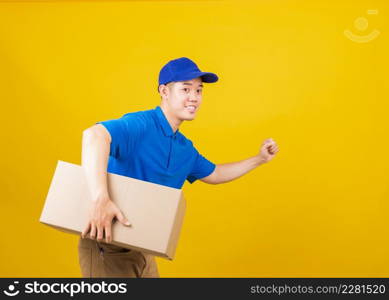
x=163, y=91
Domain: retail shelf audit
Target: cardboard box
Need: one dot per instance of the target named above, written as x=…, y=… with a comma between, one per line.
x=156, y=212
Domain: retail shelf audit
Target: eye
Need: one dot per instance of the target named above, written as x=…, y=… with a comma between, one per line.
x=199, y=91
x=186, y=89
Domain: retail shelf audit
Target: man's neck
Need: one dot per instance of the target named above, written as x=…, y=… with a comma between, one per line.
x=173, y=122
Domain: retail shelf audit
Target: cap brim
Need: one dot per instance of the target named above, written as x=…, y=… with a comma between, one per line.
x=209, y=77
x=205, y=76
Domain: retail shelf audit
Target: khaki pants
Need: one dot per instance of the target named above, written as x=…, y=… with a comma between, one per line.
x=98, y=259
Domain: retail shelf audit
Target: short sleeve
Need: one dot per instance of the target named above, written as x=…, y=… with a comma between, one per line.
x=202, y=168
x=124, y=132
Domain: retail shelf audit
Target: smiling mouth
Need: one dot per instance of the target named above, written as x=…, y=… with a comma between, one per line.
x=191, y=108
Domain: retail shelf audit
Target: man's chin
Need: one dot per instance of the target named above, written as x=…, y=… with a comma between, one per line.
x=191, y=118
x=188, y=117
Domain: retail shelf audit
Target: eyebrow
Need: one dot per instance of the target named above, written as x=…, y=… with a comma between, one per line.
x=187, y=83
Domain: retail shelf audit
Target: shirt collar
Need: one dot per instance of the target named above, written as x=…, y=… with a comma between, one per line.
x=164, y=123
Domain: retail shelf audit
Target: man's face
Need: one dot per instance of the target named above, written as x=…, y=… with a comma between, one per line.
x=183, y=98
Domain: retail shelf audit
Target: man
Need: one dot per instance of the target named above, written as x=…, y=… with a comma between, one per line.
x=147, y=145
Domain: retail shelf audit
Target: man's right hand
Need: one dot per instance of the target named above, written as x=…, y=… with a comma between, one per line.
x=102, y=212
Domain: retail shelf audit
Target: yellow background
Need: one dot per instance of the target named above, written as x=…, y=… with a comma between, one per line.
x=287, y=71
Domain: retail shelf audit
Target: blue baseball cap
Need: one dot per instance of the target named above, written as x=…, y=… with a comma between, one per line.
x=181, y=69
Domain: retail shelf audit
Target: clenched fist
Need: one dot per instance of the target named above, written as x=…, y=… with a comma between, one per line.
x=268, y=150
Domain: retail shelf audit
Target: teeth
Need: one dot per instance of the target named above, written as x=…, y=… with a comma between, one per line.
x=191, y=107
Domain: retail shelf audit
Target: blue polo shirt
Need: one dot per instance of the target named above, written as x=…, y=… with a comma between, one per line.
x=145, y=147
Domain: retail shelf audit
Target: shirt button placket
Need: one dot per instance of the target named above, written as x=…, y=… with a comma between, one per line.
x=170, y=151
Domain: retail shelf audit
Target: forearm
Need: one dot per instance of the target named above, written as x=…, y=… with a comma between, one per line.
x=95, y=152
x=96, y=143
x=230, y=171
